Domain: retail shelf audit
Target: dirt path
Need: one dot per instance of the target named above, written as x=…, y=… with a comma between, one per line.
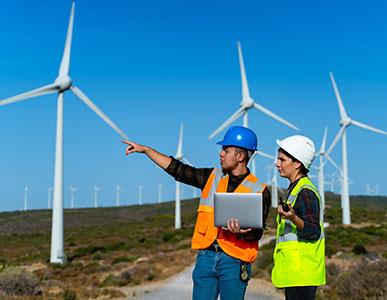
x=179, y=287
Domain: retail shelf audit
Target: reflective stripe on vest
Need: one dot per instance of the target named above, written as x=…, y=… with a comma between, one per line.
x=206, y=233
x=298, y=262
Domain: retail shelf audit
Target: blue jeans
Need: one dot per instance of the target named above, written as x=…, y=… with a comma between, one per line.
x=218, y=273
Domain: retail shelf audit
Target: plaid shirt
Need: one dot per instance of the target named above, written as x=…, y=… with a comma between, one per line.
x=307, y=207
x=198, y=177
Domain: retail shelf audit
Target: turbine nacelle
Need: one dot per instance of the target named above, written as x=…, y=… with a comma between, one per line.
x=247, y=102
x=63, y=82
x=346, y=121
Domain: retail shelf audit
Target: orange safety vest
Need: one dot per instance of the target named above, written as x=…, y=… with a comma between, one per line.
x=205, y=231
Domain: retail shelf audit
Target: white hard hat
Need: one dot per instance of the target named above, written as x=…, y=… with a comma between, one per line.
x=300, y=147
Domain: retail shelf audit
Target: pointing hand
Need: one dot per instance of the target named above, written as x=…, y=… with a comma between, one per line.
x=133, y=147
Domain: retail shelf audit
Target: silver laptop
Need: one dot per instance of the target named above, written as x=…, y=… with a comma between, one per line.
x=246, y=207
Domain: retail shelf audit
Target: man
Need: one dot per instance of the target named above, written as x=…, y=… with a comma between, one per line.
x=299, y=255
x=223, y=262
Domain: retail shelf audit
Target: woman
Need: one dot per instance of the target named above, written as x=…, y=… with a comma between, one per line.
x=299, y=255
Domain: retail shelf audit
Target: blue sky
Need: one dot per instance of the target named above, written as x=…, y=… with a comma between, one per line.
x=150, y=65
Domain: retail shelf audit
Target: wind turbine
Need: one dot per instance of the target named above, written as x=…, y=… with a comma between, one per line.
x=60, y=85
x=179, y=156
x=274, y=181
x=96, y=189
x=26, y=192
x=345, y=122
x=246, y=104
x=72, y=190
x=140, y=188
x=323, y=158
x=118, y=191
x=49, y=192
x=160, y=187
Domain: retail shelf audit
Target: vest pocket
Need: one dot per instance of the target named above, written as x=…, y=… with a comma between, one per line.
x=287, y=259
x=202, y=222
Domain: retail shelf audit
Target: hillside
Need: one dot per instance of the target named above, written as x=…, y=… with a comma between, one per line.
x=112, y=247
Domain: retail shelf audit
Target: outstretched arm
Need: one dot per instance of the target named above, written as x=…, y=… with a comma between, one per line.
x=158, y=158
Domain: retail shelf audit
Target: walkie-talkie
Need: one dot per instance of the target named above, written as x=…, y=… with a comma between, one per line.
x=285, y=207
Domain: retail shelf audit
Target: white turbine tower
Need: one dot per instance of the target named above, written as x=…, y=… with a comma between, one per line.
x=273, y=181
x=118, y=191
x=323, y=158
x=26, y=192
x=179, y=156
x=61, y=84
x=72, y=190
x=346, y=121
x=140, y=188
x=160, y=188
x=49, y=192
x=96, y=189
x=246, y=104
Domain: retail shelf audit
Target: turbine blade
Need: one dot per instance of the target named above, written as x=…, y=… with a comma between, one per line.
x=336, y=139
x=99, y=112
x=343, y=113
x=235, y=116
x=274, y=116
x=44, y=90
x=65, y=64
x=179, y=152
x=264, y=154
x=245, y=87
x=368, y=127
x=333, y=163
x=186, y=161
x=322, y=148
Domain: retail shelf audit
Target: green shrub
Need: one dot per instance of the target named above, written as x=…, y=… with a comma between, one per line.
x=97, y=256
x=69, y=295
x=366, y=281
x=124, y=259
x=18, y=282
x=359, y=250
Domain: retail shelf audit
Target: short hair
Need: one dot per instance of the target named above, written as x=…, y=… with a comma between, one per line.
x=303, y=170
x=248, y=153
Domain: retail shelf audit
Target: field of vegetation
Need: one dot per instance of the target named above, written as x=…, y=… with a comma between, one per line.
x=108, y=248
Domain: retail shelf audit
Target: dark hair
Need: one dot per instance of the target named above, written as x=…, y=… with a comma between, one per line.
x=303, y=170
x=248, y=153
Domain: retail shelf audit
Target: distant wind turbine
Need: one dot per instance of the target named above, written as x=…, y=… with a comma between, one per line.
x=179, y=156
x=345, y=122
x=274, y=181
x=61, y=84
x=160, y=188
x=72, y=190
x=246, y=104
x=118, y=192
x=323, y=158
x=26, y=192
x=140, y=188
x=96, y=189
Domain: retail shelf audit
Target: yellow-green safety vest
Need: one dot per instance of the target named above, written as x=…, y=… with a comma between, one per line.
x=298, y=262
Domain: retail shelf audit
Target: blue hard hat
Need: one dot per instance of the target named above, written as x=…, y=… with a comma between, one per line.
x=239, y=136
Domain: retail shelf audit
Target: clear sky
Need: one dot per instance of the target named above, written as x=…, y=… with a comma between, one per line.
x=151, y=65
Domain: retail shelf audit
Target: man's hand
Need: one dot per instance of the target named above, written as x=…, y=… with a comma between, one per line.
x=234, y=226
x=133, y=147
x=158, y=158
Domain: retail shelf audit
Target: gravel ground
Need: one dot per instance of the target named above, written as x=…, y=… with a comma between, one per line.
x=180, y=287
